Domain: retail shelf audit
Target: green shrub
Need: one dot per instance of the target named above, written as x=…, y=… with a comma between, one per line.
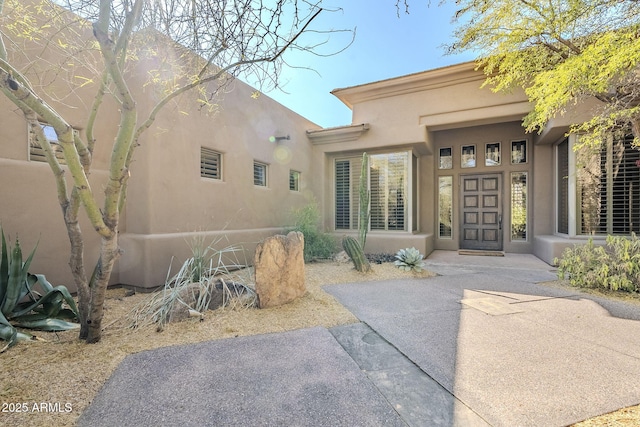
x=409, y=259
x=317, y=244
x=615, y=266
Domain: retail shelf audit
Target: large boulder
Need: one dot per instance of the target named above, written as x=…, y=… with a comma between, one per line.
x=279, y=269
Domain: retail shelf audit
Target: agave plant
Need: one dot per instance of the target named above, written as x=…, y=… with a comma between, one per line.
x=29, y=301
x=409, y=259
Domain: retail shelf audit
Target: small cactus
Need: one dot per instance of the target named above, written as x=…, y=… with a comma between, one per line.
x=409, y=259
x=355, y=252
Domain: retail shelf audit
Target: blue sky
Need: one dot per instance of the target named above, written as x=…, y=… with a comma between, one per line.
x=385, y=46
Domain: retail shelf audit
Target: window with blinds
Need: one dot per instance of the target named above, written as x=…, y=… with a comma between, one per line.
x=388, y=186
x=608, y=187
x=36, y=153
x=388, y=175
x=563, y=187
x=347, y=196
x=210, y=163
x=259, y=174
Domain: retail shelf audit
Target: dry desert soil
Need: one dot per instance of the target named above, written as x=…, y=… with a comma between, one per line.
x=59, y=369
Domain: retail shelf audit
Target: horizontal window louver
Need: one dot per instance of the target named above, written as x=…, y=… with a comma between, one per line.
x=563, y=187
x=347, y=193
x=259, y=174
x=37, y=153
x=294, y=180
x=210, y=166
x=343, y=179
x=388, y=184
x=609, y=189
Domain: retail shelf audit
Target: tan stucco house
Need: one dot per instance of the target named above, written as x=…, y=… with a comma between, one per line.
x=451, y=168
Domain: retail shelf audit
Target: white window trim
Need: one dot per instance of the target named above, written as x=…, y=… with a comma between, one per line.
x=335, y=194
x=266, y=174
x=410, y=188
x=220, y=165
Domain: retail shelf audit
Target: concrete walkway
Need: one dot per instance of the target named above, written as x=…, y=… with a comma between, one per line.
x=481, y=344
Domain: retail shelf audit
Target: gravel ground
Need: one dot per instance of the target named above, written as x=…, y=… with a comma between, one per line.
x=65, y=374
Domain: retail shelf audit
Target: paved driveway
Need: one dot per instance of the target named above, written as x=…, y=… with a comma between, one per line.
x=481, y=344
x=511, y=350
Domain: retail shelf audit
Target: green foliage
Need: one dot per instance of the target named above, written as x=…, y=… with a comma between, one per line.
x=356, y=253
x=615, y=266
x=363, y=209
x=561, y=53
x=22, y=306
x=409, y=259
x=317, y=244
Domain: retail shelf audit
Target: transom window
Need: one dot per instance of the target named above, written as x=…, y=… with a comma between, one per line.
x=492, y=154
x=390, y=181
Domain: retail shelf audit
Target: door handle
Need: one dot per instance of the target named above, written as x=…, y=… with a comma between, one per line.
x=500, y=222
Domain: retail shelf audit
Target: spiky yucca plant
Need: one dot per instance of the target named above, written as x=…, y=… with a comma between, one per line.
x=193, y=286
x=409, y=259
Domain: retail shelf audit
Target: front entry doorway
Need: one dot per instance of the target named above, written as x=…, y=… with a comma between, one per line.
x=481, y=212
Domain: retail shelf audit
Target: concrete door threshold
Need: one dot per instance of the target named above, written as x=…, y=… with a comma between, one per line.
x=478, y=252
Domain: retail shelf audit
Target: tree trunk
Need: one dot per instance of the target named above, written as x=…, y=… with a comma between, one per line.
x=109, y=252
x=76, y=262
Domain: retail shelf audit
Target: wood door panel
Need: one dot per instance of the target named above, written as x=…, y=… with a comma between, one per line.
x=481, y=212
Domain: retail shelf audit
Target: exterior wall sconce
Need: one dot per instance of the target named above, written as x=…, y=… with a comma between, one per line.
x=279, y=138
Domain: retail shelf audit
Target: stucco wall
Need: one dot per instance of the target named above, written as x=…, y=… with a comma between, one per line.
x=169, y=201
x=30, y=208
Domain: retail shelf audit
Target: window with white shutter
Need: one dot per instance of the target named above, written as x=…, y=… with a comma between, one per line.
x=606, y=190
x=210, y=163
x=389, y=186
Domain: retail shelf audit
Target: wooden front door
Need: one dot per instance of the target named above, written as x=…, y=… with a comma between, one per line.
x=481, y=212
